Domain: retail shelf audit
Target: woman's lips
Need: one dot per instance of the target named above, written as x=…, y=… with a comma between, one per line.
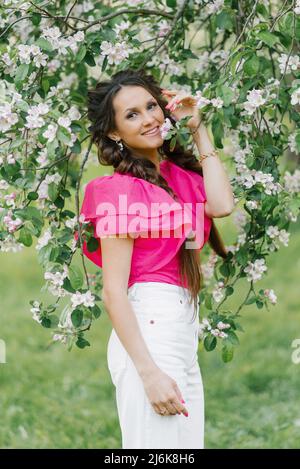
x=154, y=132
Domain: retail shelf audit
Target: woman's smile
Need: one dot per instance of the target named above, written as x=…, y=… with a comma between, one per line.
x=152, y=132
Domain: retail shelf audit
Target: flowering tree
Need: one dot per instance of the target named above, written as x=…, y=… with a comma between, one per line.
x=241, y=61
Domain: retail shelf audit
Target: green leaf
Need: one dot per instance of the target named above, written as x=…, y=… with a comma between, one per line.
x=262, y=10
x=104, y=63
x=251, y=66
x=21, y=73
x=54, y=320
x=76, y=148
x=171, y=3
x=76, y=317
x=81, y=342
x=75, y=276
x=242, y=256
x=226, y=94
x=236, y=58
x=259, y=304
x=25, y=237
x=268, y=38
x=59, y=202
x=208, y=303
x=63, y=135
x=224, y=20
x=210, y=343
x=92, y=244
x=297, y=140
x=250, y=300
x=229, y=291
x=81, y=53
x=217, y=130
x=44, y=44
x=232, y=337
x=224, y=269
x=46, y=322
x=227, y=353
x=36, y=18
x=32, y=195
x=173, y=143
x=67, y=285
x=52, y=191
x=96, y=311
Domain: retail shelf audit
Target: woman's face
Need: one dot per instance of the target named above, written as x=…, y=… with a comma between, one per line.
x=137, y=112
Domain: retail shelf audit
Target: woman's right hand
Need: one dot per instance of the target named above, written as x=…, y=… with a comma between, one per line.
x=164, y=394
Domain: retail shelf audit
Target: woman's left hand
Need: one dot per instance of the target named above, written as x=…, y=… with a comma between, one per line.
x=181, y=104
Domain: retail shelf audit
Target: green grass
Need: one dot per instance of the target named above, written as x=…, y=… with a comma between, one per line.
x=52, y=398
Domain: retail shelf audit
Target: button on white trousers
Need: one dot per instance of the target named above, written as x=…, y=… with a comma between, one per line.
x=165, y=318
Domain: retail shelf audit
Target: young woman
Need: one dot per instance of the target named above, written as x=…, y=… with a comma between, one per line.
x=151, y=275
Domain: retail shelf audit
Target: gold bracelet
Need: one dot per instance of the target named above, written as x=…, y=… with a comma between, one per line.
x=206, y=155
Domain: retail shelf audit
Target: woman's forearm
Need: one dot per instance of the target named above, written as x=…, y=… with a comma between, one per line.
x=127, y=329
x=218, y=189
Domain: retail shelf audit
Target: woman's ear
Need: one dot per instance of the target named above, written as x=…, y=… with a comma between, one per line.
x=113, y=136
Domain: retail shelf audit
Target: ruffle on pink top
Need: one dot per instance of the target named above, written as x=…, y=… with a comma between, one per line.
x=154, y=258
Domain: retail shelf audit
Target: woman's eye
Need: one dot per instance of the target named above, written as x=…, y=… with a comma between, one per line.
x=130, y=115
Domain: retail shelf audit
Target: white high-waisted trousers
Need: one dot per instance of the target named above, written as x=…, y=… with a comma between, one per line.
x=165, y=319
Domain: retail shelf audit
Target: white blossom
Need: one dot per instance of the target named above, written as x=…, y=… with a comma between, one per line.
x=255, y=270
x=272, y=232
x=271, y=295
x=295, y=97
x=74, y=114
x=3, y=185
x=291, y=63
x=36, y=311
x=223, y=325
x=218, y=292
x=10, y=244
x=7, y=117
x=87, y=299
x=163, y=28
x=72, y=222
x=64, y=122
x=44, y=240
x=215, y=6
x=56, y=281
x=201, y=100
x=217, y=102
x=115, y=53
x=252, y=204
x=292, y=181
x=165, y=127
x=292, y=142
x=254, y=101
x=284, y=237
x=50, y=133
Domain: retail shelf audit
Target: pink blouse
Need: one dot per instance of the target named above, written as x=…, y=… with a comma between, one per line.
x=159, y=224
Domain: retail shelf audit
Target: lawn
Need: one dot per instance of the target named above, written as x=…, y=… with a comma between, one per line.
x=52, y=398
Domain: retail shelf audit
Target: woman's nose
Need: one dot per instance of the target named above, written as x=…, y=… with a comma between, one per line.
x=148, y=119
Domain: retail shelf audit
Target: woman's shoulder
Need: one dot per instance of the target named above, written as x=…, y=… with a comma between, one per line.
x=109, y=187
x=125, y=179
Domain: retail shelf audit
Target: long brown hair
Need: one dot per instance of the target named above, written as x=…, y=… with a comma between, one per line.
x=101, y=114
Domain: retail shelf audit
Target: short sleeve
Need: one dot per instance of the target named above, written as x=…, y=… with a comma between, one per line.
x=122, y=205
x=189, y=186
